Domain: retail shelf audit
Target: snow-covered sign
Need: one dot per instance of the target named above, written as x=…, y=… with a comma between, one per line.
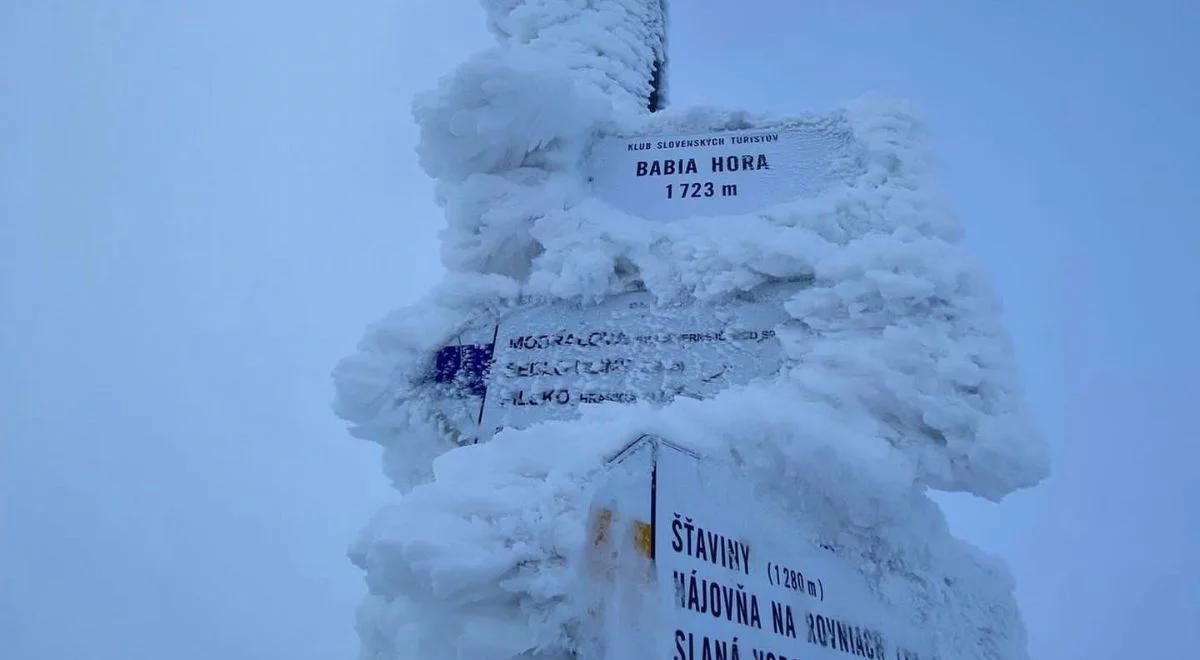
x=734, y=574
x=545, y=361
x=729, y=172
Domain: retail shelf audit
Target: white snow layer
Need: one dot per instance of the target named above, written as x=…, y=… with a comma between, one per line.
x=898, y=376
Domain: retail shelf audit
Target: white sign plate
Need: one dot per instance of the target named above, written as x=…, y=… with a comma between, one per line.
x=546, y=361
x=727, y=569
x=723, y=173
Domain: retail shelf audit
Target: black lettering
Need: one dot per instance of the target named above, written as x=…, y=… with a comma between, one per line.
x=782, y=621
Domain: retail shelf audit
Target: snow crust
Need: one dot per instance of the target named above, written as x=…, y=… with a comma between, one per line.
x=898, y=379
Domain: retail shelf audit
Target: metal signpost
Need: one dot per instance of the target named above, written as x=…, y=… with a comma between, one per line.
x=724, y=576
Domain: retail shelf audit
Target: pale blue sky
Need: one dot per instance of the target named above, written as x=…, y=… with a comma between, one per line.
x=203, y=204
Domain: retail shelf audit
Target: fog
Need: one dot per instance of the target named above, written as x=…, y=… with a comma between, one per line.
x=201, y=207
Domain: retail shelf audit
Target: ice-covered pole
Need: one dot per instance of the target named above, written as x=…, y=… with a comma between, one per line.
x=885, y=373
x=514, y=121
x=619, y=45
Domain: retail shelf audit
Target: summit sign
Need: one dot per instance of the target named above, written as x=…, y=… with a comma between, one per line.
x=724, y=173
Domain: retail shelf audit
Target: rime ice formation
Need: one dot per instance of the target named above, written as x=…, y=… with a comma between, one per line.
x=898, y=377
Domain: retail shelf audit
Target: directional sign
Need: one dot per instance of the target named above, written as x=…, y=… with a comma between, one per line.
x=547, y=361
x=729, y=172
x=730, y=571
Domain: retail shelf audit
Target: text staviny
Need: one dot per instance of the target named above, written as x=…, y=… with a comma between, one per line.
x=718, y=549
